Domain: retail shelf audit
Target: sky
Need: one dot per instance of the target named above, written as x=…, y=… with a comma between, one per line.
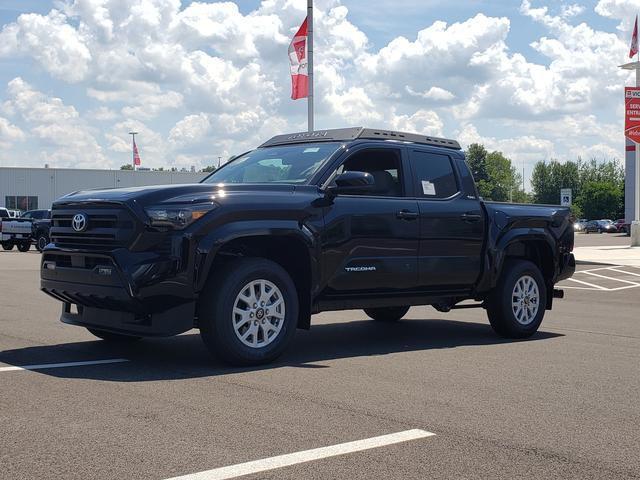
x=537, y=80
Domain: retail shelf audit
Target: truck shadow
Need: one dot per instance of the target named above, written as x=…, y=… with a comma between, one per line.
x=185, y=356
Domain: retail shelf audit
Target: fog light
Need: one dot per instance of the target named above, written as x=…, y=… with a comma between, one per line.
x=49, y=265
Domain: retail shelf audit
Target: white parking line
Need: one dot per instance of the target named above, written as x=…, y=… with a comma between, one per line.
x=62, y=365
x=598, y=287
x=289, y=459
x=627, y=273
x=614, y=279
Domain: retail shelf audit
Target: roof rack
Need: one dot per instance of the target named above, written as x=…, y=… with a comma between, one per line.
x=354, y=133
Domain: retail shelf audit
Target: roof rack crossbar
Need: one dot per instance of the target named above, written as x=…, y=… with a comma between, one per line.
x=354, y=133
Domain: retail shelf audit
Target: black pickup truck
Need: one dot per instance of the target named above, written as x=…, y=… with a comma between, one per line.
x=329, y=220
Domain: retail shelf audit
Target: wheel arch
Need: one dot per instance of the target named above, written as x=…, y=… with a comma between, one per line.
x=538, y=248
x=289, y=245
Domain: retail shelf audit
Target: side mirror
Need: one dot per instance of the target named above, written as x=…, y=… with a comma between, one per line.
x=353, y=183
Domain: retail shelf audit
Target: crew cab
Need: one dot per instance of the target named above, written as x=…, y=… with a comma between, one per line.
x=351, y=218
x=14, y=232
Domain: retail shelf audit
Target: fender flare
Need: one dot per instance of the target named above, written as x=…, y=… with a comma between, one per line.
x=517, y=235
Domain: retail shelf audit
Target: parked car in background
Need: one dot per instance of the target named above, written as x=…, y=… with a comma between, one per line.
x=579, y=224
x=600, y=226
x=14, y=213
x=622, y=226
x=14, y=232
x=41, y=222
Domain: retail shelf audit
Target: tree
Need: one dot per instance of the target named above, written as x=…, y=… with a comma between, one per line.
x=494, y=174
x=127, y=166
x=548, y=178
x=600, y=200
x=208, y=169
x=592, y=184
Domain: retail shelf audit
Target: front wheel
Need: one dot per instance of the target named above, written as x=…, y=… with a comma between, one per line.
x=517, y=305
x=42, y=242
x=113, y=337
x=248, y=312
x=24, y=247
x=386, y=314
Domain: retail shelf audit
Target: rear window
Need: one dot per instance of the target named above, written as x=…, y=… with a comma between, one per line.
x=433, y=173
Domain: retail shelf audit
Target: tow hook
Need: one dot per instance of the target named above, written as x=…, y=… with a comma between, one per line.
x=558, y=293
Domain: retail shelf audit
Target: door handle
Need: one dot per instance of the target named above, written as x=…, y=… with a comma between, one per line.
x=470, y=217
x=406, y=215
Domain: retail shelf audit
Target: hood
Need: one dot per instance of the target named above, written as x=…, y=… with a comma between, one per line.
x=188, y=193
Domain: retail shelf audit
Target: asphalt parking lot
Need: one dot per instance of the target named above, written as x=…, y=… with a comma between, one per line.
x=563, y=404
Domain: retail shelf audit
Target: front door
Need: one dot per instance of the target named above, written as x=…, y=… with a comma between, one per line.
x=370, y=241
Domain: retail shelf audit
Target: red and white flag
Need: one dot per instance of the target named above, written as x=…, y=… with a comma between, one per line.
x=634, y=40
x=298, y=61
x=136, y=155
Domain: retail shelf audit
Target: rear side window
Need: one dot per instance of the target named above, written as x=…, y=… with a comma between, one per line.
x=434, y=177
x=468, y=185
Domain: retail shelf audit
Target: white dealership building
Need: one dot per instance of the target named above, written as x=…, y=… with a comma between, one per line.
x=34, y=188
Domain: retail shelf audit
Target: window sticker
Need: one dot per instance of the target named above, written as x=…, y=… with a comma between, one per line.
x=428, y=188
x=311, y=150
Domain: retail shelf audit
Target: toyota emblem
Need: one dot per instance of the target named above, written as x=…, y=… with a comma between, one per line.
x=79, y=222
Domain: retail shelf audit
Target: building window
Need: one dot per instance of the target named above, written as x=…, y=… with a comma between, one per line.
x=21, y=202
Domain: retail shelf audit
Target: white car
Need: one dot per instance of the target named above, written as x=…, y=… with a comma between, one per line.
x=14, y=232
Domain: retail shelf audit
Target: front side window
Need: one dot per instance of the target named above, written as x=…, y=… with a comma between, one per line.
x=284, y=164
x=434, y=177
x=385, y=165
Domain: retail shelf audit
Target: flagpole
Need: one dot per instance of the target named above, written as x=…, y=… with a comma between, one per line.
x=133, y=153
x=310, y=64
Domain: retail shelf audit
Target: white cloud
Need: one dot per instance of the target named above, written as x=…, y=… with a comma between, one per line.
x=62, y=137
x=55, y=44
x=203, y=79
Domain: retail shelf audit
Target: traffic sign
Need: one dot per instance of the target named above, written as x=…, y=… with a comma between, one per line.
x=632, y=113
x=565, y=197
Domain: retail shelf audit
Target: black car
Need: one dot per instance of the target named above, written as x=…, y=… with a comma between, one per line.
x=600, y=226
x=41, y=223
x=329, y=220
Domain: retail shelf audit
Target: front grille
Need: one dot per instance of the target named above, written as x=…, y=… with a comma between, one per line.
x=108, y=227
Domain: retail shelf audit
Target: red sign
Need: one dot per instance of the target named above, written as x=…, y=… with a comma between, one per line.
x=632, y=113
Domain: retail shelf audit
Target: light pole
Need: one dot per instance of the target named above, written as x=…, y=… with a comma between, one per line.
x=133, y=149
x=635, y=225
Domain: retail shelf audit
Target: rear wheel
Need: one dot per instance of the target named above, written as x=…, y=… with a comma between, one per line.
x=113, y=337
x=386, y=314
x=7, y=246
x=42, y=242
x=517, y=305
x=248, y=312
x=24, y=247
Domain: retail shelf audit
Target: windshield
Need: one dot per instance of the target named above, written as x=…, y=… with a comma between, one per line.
x=286, y=164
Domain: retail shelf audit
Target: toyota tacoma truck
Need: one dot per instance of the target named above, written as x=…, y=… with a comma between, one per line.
x=350, y=218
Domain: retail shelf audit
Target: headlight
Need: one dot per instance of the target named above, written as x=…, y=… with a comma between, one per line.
x=177, y=216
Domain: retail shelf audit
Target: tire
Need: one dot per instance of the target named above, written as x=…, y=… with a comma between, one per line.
x=255, y=280
x=504, y=316
x=113, y=337
x=7, y=246
x=41, y=242
x=386, y=314
x=24, y=247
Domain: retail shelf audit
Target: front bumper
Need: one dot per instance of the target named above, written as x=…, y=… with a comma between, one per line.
x=138, y=293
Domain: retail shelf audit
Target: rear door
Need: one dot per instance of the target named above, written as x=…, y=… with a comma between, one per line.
x=451, y=221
